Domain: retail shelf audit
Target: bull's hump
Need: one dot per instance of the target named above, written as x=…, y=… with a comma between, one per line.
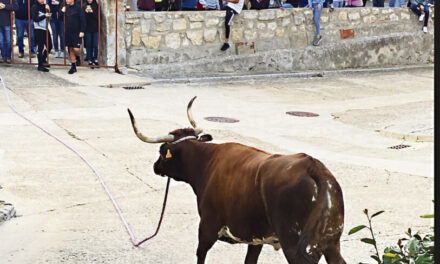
x=225, y=235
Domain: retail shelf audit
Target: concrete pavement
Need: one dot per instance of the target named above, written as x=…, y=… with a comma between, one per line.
x=65, y=216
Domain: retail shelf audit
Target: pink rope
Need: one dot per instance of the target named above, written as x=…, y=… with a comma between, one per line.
x=101, y=180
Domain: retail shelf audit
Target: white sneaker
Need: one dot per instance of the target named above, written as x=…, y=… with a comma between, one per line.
x=61, y=54
x=421, y=17
x=425, y=29
x=56, y=54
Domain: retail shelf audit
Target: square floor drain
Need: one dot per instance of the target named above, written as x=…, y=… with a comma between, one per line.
x=399, y=146
x=133, y=87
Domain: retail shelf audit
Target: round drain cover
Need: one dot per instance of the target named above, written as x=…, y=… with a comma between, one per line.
x=220, y=119
x=304, y=114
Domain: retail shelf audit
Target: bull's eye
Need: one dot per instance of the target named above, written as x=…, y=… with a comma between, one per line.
x=168, y=156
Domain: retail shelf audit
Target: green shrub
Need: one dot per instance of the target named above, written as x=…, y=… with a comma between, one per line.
x=412, y=249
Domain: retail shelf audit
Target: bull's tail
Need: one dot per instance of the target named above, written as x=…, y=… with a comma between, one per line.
x=309, y=248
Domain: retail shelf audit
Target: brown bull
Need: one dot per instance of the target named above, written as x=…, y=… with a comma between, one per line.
x=246, y=195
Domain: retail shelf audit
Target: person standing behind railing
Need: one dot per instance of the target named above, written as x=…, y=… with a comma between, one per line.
x=22, y=21
x=75, y=28
x=5, y=28
x=57, y=26
x=40, y=13
x=91, y=36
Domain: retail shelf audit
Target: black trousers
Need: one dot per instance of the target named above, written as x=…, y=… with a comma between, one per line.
x=228, y=20
x=260, y=4
x=43, y=47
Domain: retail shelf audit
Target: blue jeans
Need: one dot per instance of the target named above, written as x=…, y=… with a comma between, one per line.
x=418, y=13
x=380, y=3
x=338, y=4
x=5, y=41
x=316, y=17
x=22, y=26
x=57, y=32
x=91, y=45
x=397, y=3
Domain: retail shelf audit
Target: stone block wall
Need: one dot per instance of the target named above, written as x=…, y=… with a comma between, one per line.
x=156, y=38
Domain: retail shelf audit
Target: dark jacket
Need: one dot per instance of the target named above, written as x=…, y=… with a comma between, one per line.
x=75, y=19
x=147, y=5
x=55, y=10
x=5, y=13
x=91, y=18
x=38, y=15
x=22, y=12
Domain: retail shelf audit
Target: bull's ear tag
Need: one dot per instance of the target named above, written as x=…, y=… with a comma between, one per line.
x=168, y=156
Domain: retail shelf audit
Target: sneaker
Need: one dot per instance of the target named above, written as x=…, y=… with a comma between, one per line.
x=91, y=64
x=61, y=54
x=225, y=47
x=96, y=62
x=425, y=29
x=42, y=69
x=421, y=17
x=20, y=55
x=8, y=61
x=56, y=54
x=317, y=41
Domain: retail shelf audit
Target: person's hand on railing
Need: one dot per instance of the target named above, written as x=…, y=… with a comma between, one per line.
x=63, y=9
x=2, y=6
x=81, y=34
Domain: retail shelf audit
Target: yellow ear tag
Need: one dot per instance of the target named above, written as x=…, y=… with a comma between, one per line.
x=168, y=154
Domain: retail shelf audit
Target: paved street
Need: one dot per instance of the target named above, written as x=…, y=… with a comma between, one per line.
x=64, y=216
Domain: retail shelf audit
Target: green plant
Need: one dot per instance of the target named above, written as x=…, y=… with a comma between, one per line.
x=412, y=249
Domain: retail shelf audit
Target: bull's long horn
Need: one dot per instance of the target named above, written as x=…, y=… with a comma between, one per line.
x=190, y=117
x=166, y=138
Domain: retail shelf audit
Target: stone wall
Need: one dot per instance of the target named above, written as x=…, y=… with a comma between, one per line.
x=108, y=33
x=277, y=40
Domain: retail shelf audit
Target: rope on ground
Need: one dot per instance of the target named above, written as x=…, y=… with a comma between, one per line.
x=101, y=180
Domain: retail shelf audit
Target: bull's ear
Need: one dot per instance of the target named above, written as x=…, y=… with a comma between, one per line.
x=205, y=138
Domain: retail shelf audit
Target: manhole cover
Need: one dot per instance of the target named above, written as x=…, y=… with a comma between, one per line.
x=133, y=87
x=305, y=114
x=221, y=119
x=399, y=146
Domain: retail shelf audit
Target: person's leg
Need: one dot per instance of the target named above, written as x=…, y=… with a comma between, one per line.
x=20, y=25
x=381, y=3
x=228, y=21
x=392, y=3
x=88, y=42
x=53, y=26
x=2, y=41
x=426, y=9
x=316, y=16
x=95, y=47
x=40, y=39
x=415, y=9
x=32, y=36
x=60, y=27
x=74, y=52
x=7, y=38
